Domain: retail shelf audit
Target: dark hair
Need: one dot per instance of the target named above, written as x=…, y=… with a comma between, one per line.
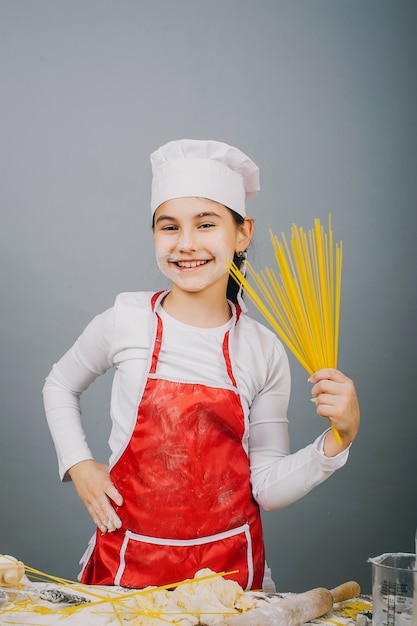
x=232, y=286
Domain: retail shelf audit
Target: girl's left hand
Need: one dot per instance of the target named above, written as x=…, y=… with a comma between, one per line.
x=335, y=397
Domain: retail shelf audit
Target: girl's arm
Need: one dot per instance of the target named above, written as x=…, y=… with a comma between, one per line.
x=70, y=376
x=279, y=477
x=87, y=359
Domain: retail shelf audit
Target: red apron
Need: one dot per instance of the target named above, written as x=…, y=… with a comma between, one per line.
x=185, y=480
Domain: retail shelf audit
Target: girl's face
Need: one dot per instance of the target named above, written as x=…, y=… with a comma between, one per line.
x=194, y=238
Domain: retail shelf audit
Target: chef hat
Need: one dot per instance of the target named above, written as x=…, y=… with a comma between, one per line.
x=206, y=169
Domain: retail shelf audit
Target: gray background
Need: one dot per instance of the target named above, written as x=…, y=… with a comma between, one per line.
x=322, y=95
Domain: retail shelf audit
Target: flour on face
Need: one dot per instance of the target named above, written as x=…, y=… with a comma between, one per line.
x=195, y=239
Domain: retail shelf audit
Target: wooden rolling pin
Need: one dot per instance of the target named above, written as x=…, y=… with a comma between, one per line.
x=295, y=610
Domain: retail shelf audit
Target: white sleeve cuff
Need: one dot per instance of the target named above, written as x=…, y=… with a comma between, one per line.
x=329, y=463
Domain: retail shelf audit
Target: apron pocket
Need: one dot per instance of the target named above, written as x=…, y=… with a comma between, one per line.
x=148, y=561
x=87, y=555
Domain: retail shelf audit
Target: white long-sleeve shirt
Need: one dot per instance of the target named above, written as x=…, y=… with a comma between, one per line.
x=123, y=337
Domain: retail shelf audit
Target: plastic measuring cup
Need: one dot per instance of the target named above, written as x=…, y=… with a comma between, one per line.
x=394, y=589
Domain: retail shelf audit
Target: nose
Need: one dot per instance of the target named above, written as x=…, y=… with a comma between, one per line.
x=186, y=241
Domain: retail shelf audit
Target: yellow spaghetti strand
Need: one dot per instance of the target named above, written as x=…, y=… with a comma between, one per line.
x=114, y=598
x=302, y=303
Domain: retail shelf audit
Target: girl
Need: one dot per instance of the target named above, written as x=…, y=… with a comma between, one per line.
x=199, y=438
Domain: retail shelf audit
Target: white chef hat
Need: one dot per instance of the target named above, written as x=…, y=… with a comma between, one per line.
x=206, y=169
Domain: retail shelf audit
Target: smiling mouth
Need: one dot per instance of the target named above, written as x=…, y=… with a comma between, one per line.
x=190, y=264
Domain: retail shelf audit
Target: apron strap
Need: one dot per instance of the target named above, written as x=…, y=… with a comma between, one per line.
x=155, y=298
x=158, y=340
x=157, y=345
x=228, y=362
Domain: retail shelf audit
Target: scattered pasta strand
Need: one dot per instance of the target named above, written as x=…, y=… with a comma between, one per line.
x=303, y=304
x=104, y=596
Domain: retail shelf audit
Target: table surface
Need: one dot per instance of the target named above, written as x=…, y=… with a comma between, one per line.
x=27, y=608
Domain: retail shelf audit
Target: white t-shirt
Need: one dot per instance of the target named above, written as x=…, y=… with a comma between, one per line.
x=123, y=337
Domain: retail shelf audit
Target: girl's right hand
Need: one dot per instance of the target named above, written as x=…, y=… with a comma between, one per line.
x=94, y=486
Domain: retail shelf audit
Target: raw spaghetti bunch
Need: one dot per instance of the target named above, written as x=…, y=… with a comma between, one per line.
x=302, y=304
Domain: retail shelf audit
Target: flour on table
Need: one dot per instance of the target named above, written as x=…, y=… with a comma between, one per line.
x=193, y=602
